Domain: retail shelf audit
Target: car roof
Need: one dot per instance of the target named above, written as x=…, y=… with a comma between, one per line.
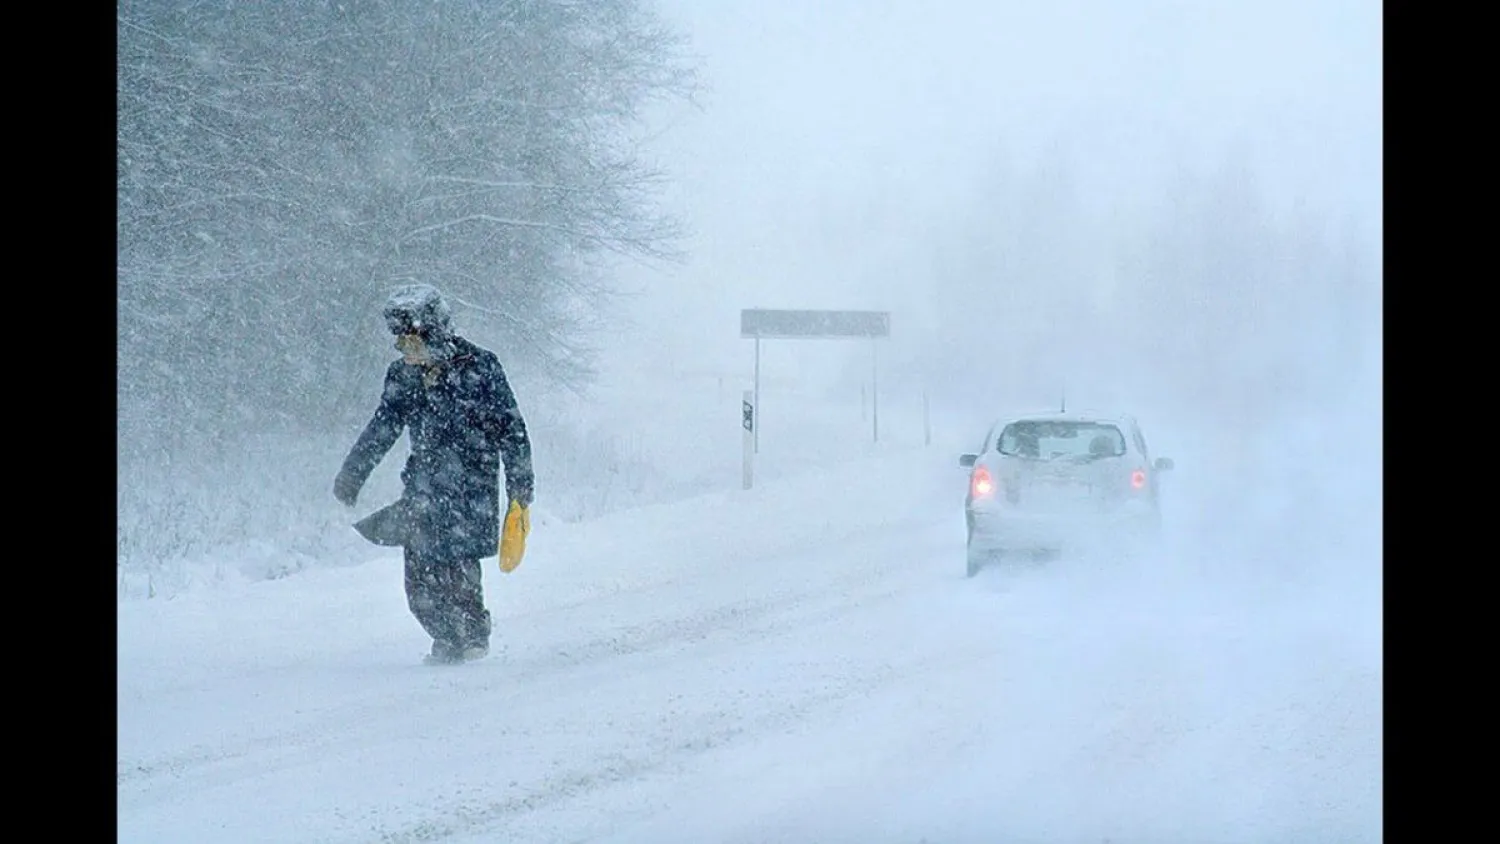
x=1068, y=416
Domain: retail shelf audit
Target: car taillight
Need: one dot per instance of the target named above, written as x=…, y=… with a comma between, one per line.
x=980, y=483
x=1138, y=479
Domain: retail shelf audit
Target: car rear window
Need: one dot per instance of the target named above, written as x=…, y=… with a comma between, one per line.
x=1047, y=439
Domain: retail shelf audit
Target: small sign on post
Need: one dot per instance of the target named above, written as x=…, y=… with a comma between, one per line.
x=747, y=421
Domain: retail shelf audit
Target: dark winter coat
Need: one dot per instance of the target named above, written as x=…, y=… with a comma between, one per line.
x=461, y=427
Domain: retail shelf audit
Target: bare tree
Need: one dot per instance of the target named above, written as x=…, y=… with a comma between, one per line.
x=279, y=167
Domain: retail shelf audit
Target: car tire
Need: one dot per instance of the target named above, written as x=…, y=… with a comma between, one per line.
x=976, y=562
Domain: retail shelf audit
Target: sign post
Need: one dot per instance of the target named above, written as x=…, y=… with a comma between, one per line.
x=755, y=435
x=757, y=323
x=874, y=392
x=926, y=421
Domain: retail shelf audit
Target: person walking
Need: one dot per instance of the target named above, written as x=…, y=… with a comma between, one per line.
x=464, y=424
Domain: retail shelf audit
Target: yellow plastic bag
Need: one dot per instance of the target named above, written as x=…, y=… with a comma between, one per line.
x=513, y=536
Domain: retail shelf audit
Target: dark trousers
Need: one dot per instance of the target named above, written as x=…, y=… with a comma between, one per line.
x=447, y=598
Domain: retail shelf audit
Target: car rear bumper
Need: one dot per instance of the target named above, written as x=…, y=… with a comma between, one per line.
x=1001, y=530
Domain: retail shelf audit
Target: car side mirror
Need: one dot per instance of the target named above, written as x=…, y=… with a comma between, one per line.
x=967, y=460
x=1164, y=463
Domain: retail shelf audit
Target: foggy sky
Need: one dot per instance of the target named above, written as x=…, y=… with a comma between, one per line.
x=836, y=137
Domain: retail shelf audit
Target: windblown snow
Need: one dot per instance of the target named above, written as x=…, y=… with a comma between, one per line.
x=803, y=661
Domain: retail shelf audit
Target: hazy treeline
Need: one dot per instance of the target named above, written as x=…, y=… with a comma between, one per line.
x=1202, y=296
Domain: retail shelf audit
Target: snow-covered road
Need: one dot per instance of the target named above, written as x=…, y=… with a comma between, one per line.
x=802, y=662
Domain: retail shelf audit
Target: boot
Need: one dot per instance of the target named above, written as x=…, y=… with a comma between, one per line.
x=443, y=653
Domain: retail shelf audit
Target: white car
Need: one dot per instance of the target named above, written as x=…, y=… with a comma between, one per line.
x=1042, y=484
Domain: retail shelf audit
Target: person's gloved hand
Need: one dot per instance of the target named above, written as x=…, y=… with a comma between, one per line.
x=513, y=536
x=346, y=489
